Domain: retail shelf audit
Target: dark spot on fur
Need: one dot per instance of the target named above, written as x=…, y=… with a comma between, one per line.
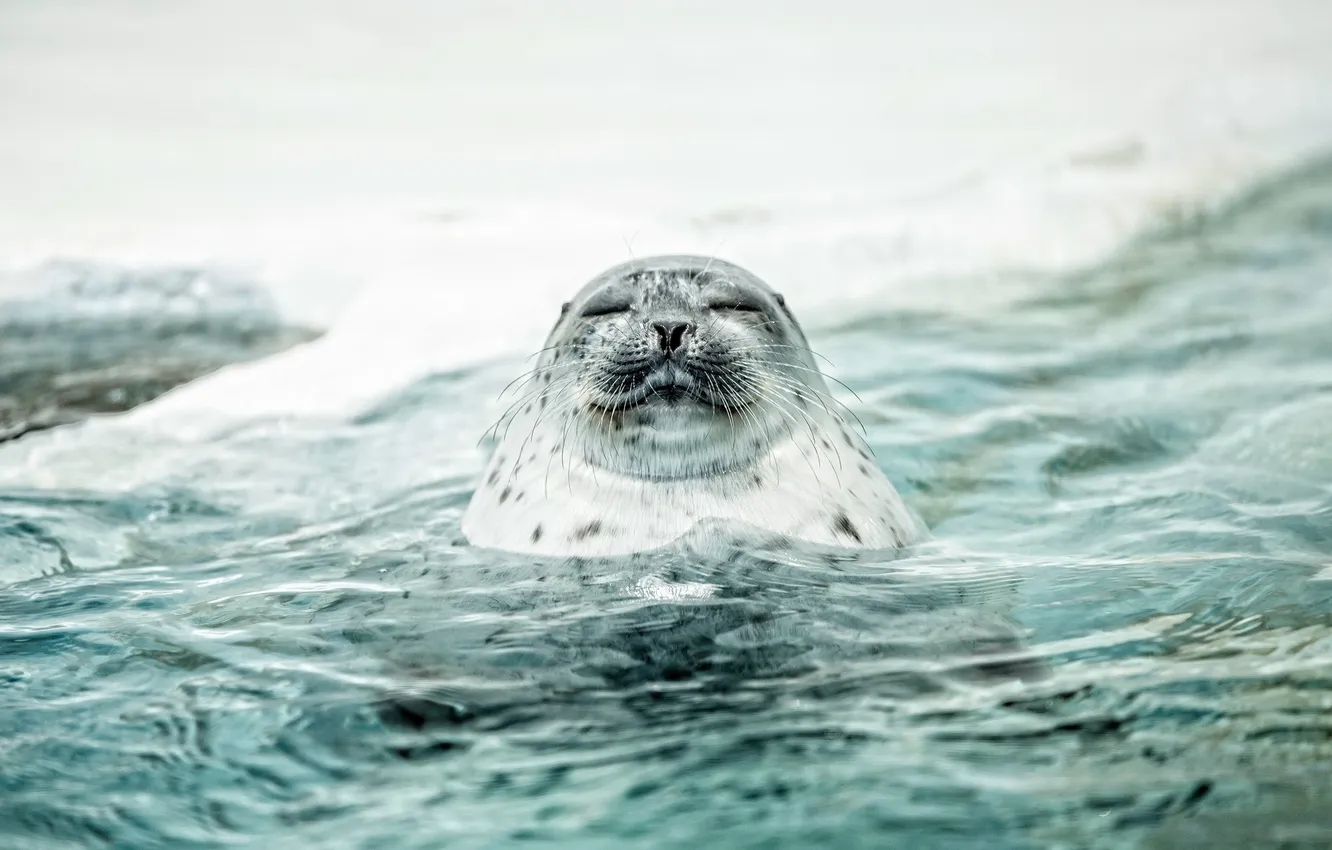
x=865, y=453
x=827, y=445
x=494, y=477
x=536, y=533
x=531, y=458
x=842, y=525
x=583, y=532
x=864, y=469
x=527, y=408
x=564, y=308
x=504, y=494
x=758, y=480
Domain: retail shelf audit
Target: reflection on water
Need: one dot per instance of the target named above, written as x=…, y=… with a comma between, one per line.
x=1119, y=637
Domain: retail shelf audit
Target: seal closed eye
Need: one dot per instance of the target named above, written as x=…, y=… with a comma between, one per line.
x=674, y=390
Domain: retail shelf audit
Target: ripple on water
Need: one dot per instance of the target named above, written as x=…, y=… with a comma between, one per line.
x=1121, y=638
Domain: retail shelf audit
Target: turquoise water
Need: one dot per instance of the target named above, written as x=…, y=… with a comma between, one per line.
x=1120, y=637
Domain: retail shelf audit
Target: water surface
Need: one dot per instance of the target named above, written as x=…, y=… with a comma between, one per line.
x=1120, y=636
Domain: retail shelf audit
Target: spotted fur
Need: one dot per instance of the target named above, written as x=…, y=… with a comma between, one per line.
x=671, y=391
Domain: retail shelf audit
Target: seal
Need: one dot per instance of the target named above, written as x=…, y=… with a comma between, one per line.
x=677, y=393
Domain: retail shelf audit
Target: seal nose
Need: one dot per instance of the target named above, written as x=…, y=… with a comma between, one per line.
x=671, y=335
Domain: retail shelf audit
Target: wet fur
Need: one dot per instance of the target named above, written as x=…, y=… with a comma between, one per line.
x=612, y=446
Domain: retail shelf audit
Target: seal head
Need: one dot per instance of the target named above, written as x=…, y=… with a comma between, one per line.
x=674, y=390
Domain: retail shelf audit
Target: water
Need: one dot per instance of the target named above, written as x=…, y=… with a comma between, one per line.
x=1120, y=637
x=92, y=339
x=1072, y=258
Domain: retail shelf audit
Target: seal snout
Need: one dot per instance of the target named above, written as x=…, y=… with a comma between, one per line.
x=668, y=378
x=671, y=334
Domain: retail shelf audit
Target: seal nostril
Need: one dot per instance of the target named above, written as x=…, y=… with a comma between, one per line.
x=670, y=335
x=677, y=335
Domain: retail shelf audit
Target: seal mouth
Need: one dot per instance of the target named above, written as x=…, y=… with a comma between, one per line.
x=670, y=385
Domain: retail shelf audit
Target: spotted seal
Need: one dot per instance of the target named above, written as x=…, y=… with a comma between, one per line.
x=675, y=391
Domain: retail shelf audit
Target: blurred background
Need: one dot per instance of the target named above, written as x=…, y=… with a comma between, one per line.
x=858, y=154
x=265, y=268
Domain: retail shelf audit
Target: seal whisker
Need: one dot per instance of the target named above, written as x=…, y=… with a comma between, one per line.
x=747, y=416
x=790, y=345
x=527, y=394
x=771, y=345
x=556, y=347
x=826, y=441
x=843, y=405
x=835, y=380
x=746, y=413
x=511, y=414
x=602, y=383
x=551, y=403
x=828, y=396
x=529, y=375
x=772, y=396
x=811, y=424
x=708, y=264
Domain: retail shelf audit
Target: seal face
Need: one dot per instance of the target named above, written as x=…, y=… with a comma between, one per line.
x=673, y=391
